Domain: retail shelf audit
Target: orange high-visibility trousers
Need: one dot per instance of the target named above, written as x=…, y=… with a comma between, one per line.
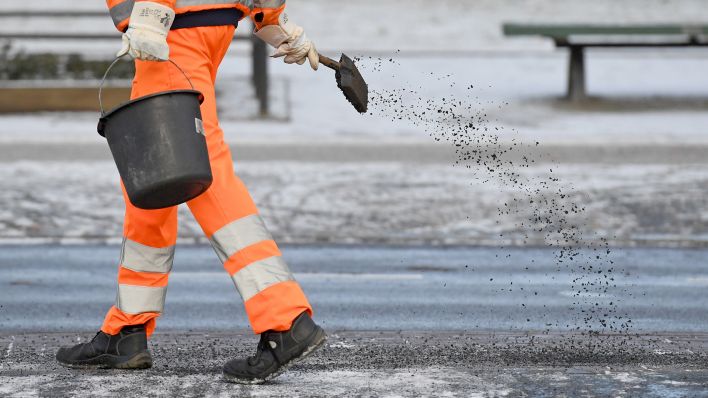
x=225, y=212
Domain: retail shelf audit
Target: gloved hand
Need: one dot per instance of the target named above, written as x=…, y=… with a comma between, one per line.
x=146, y=37
x=290, y=42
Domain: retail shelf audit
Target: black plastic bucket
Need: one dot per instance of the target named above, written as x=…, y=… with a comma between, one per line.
x=159, y=145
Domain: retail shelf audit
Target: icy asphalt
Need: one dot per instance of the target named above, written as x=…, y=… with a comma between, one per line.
x=371, y=364
x=403, y=321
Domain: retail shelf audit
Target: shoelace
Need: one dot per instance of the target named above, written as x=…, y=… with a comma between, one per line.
x=262, y=346
x=90, y=343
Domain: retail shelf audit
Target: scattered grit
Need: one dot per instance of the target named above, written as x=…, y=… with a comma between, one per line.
x=494, y=154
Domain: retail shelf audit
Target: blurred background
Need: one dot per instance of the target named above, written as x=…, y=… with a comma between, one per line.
x=608, y=101
x=527, y=168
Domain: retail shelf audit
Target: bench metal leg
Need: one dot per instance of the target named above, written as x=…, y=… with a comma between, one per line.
x=576, y=74
x=260, y=75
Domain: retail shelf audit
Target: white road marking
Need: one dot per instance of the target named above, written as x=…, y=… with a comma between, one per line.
x=570, y=293
x=353, y=276
x=311, y=276
x=698, y=280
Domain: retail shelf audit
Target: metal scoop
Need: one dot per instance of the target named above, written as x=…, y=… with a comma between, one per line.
x=349, y=81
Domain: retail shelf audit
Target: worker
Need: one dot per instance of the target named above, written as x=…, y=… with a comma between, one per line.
x=195, y=34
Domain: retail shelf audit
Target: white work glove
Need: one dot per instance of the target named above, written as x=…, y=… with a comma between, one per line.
x=290, y=42
x=146, y=37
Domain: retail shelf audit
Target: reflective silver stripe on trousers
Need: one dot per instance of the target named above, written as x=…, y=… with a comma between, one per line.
x=121, y=11
x=258, y=276
x=188, y=3
x=238, y=235
x=138, y=257
x=138, y=299
x=268, y=3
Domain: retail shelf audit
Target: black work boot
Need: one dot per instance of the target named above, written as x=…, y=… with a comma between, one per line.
x=276, y=352
x=125, y=350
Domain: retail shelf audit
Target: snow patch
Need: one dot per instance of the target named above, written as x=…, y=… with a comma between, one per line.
x=625, y=377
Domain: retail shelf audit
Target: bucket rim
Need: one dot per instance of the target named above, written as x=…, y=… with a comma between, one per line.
x=106, y=115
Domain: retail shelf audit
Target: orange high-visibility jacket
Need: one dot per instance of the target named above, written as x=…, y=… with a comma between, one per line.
x=120, y=10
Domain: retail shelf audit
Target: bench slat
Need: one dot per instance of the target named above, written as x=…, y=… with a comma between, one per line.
x=566, y=30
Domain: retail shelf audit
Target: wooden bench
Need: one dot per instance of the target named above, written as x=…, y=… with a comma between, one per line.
x=579, y=37
x=259, y=52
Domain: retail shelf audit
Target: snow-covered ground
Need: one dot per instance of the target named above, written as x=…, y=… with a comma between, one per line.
x=651, y=95
x=643, y=97
x=377, y=202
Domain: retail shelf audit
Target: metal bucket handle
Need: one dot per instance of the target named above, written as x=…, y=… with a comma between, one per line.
x=115, y=61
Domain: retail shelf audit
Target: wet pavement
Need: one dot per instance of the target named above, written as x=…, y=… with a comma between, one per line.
x=69, y=288
x=403, y=321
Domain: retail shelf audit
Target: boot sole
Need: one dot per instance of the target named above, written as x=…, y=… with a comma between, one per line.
x=141, y=360
x=319, y=340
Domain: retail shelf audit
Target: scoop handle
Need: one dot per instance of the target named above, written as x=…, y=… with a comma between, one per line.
x=329, y=62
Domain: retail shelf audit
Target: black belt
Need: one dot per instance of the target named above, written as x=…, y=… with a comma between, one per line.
x=218, y=17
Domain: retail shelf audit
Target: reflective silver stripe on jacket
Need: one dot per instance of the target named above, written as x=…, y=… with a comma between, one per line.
x=189, y=3
x=138, y=257
x=259, y=275
x=139, y=299
x=238, y=235
x=121, y=11
x=268, y=3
